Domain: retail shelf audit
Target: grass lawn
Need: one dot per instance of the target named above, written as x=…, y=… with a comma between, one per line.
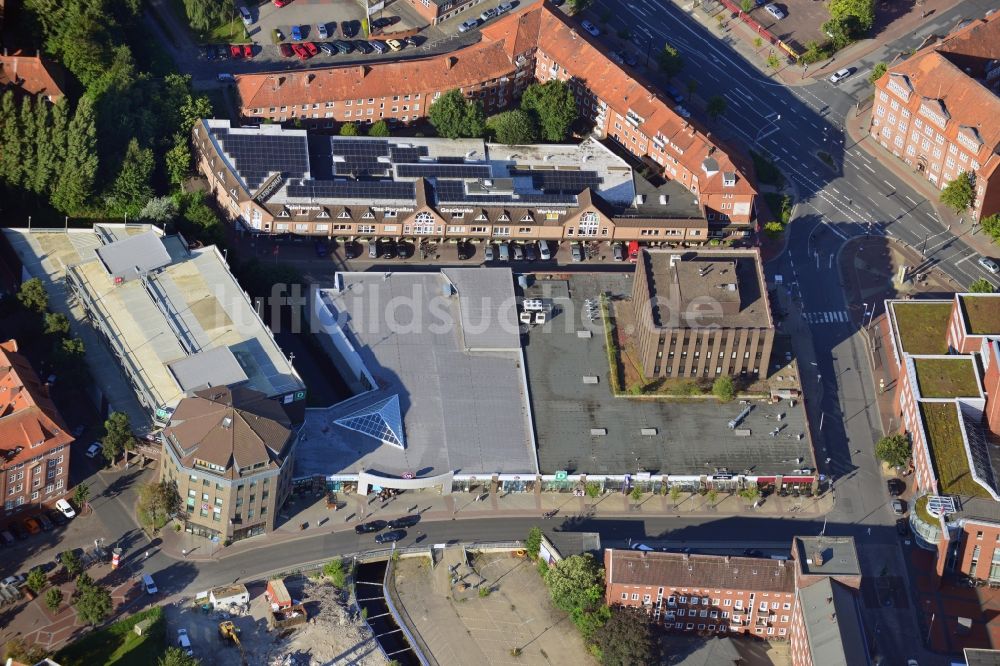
x=946, y=377
x=231, y=32
x=118, y=644
x=947, y=450
x=983, y=313
x=923, y=327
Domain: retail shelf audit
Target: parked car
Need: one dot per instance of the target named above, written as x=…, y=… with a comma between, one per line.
x=751, y=552
x=405, y=521
x=488, y=252
x=390, y=536
x=404, y=249
x=643, y=547
x=468, y=25
x=225, y=77
x=898, y=507
x=487, y=15
x=311, y=48
x=342, y=46
x=322, y=249
x=323, y=32
x=896, y=487
x=352, y=250
x=674, y=93
x=149, y=584
x=530, y=253
x=682, y=112
x=840, y=75
x=248, y=50
x=280, y=3
x=57, y=517
x=327, y=49
x=373, y=249
x=184, y=642
x=591, y=28
x=577, y=252
x=297, y=32
x=902, y=527
x=394, y=44
x=286, y=50
x=465, y=251
x=370, y=527
x=44, y=521
x=236, y=51
x=18, y=531
x=504, y=7
x=412, y=40
x=774, y=11
x=300, y=51
x=32, y=526
x=246, y=16
x=350, y=28
x=93, y=450
x=381, y=22
x=363, y=46
x=17, y=580
x=209, y=52
x=989, y=265
x=378, y=46
x=221, y=52
x=518, y=252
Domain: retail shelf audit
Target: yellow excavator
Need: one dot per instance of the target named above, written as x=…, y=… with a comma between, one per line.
x=230, y=631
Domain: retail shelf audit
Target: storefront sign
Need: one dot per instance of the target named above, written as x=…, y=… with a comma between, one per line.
x=456, y=210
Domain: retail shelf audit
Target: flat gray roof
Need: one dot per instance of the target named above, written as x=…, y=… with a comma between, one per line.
x=839, y=641
x=487, y=307
x=840, y=557
x=129, y=257
x=215, y=367
x=692, y=435
x=463, y=411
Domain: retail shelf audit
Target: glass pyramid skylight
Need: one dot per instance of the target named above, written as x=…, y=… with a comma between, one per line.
x=381, y=420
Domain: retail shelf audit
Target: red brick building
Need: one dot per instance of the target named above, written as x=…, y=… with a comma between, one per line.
x=533, y=44
x=30, y=75
x=936, y=110
x=773, y=598
x=435, y=11
x=34, y=441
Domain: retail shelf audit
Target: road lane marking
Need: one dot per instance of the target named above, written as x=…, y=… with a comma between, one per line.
x=910, y=200
x=868, y=167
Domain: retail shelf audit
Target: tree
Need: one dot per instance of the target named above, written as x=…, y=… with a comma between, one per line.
x=174, y=656
x=118, y=436
x=724, y=389
x=159, y=209
x=576, y=585
x=178, y=160
x=80, y=496
x=68, y=357
x=893, y=449
x=454, y=116
x=773, y=228
x=349, y=129
x=747, y=6
x=553, y=105
x=131, y=189
x=627, y=638
x=959, y=193
x=84, y=582
x=577, y=6
x=533, y=543
x=157, y=502
x=758, y=42
x=43, y=166
x=636, y=493
x=22, y=652
x=862, y=11
x=713, y=495
x=71, y=560
x=32, y=296
x=877, y=71
x=53, y=598
x=982, y=286
x=12, y=157
x=56, y=323
x=334, y=570
x=751, y=493
x=675, y=494
x=93, y=603
x=513, y=127
x=379, y=128
x=670, y=60
x=991, y=226
x=36, y=580
x=74, y=186
x=773, y=61
x=716, y=106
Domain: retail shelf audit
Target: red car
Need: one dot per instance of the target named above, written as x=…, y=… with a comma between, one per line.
x=312, y=48
x=247, y=51
x=281, y=3
x=236, y=50
x=300, y=51
x=286, y=50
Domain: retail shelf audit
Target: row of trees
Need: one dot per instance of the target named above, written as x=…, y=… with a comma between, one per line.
x=547, y=112
x=67, y=352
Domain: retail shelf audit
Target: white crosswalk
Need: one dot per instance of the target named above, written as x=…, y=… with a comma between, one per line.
x=835, y=317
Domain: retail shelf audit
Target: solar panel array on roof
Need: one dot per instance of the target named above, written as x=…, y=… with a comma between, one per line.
x=561, y=181
x=407, y=153
x=443, y=171
x=353, y=189
x=453, y=191
x=257, y=156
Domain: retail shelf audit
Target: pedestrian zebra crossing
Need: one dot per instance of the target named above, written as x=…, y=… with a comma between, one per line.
x=835, y=317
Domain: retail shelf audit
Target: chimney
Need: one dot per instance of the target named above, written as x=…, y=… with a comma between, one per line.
x=363, y=70
x=278, y=82
x=450, y=62
x=727, y=559
x=309, y=78
x=818, y=557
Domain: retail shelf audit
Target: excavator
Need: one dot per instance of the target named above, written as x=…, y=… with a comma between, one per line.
x=230, y=631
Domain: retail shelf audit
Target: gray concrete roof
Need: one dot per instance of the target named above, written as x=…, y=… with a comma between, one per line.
x=976, y=657
x=463, y=411
x=833, y=624
x=126, y=259
x=840, y=557
x=215, y=367
x=487, y=307
x=692, y=435
x=715, y=651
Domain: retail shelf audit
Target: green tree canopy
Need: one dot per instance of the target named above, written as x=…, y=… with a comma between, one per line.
x=175, y=656
x=627, y=638
x=53, y=598
x=534, y=542
x=863, y=11
x=513, y=127
x=960, y=192
x=724, y=389
x=991, y=226
x=117, y=436
x=716, y=106
x=178, y=160
x=32, y=295
x=71, y=560
x=131, y=189
x=877, y=71
x=336, y=572
x=670, y=60
x=68, y=357
x=81, y=494
x=893, y=449
x=349, y=129
x=454, y=116
x=554, y=105
x=93, y=603
x=74, y=186
x=982, y=286
x=56, y=323
x=379, y=128
x=159, y=209
x=36, y=580
x=157, y=501
x=576, y=585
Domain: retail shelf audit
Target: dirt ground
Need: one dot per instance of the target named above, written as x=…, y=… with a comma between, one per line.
x=461, y=627
x=332, y=635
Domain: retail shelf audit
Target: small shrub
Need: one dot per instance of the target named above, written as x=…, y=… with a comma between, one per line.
x=485, y=592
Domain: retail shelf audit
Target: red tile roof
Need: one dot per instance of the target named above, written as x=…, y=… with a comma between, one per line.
x=30, y=74
x=28, y=417
x=503, y=41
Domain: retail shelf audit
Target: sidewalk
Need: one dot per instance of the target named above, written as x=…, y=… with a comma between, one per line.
x=465, y=506
x=856, y=127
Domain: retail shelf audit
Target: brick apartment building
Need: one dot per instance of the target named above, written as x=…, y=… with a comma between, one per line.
x=936, y=110
x=774, y=599
x=948, y=357
x=535, y=43
x=702, y=313
x=34, y=441
x=230, y=452
x=436, y=11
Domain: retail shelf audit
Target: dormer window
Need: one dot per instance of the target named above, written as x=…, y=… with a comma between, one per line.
x=344, y=215
x=368, y=216
x=527, y=218
x=283, y=213
x=504, y=217
x=323, y=214
x=729, y=179
x=481, y=217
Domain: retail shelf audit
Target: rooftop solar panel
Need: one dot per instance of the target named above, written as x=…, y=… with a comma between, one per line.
x=443, y=171
x=350, y=189
x=255, y=156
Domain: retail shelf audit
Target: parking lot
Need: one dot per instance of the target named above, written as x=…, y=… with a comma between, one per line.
x=802, y=23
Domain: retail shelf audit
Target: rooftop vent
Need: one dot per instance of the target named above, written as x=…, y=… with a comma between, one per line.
x=663, y=199
x=227, y=422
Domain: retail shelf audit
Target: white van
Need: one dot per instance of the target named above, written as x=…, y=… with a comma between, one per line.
x=544, y=251
x=147, y=582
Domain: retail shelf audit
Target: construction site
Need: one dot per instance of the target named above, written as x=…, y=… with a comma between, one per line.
x=290, y=622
